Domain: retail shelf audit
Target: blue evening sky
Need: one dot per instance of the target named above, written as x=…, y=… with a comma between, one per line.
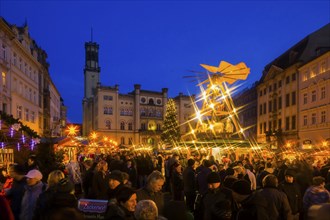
x=156, y=43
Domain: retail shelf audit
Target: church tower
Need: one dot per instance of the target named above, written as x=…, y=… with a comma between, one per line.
x=92, y=69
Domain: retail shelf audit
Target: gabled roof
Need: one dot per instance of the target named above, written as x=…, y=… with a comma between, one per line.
x=313, y=45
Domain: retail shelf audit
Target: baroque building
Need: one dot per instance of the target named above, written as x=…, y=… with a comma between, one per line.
x=27, y=90
x=129, y=119
x=281, y=86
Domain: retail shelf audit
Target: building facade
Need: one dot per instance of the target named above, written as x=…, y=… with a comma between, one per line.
x=314, y=102
x=27, y=91
x=247, y=115
x=281, y=87
x=129, y=119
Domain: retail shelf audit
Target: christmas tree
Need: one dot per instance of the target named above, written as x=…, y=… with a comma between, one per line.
x=171, y=129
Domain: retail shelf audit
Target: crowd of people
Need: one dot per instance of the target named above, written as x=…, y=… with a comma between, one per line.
x=147, y=186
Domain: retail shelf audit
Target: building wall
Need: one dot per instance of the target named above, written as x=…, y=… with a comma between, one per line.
x=314, y=101
x=23, y=69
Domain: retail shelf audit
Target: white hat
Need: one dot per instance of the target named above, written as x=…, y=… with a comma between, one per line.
x=34, y=174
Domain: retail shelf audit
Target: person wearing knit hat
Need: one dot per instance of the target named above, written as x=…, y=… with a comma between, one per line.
x=216, y=204
x=292, y=191
x=117, y=176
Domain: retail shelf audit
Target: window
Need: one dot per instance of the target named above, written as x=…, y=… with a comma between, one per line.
x=322, y=67
x=122, y=125
x=264, y=91
x=4, y=82
x=130, y=141
x=33, y=117
x=270, y=106
x=280, y=84
x=270, y=88
x=287, y=80
x=275, y=86
x=280, y=102
x=287, y=100
x=15, y=59
x=293, y=77
x=4, y=107
x=305, y=76
x=107, y=97
x=143, y=112
x=19, y=112
x=305, y=120
x=4, y=54
x=108, y=124
x=279, y=123
x=313, y=96
x=287, y=123
x=305, y=98
x=293, y=98
x=313, y=118
x=130, y=126
x=260, y=109
x=274, y=105
x=313, y=72
x=264, y=127
x=323, y=117
x=122, y=140
x=27, y=115
x=293, y=122
x=143, y=126
x=269, y=126
x=260, y=93
x=122, y=111
x=264, y=108
x=323, y=93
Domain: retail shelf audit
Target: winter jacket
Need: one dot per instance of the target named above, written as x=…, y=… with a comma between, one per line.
x=292, y=191
x=177, y=186
x=158, y=198
x=202, y=180
x=278, y=206
x=15, y=195
x=253, y=207
x=118, y=212
x=30, y=199
x=189, y=180
x=315, y=195
x=216, y=205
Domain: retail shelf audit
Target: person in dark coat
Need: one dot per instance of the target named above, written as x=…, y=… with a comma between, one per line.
x=250, y=205
x=116, y=182
x=292, y=191
x=59, y=197
x=201, y=177
x=189, y=184
x=216, y=204
x=177, y=182
x=87, y=177
x=153, y=190
x=132, y=173
x=100, y=185
x=278, y=206
x=124, y=207
x=16, y=192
